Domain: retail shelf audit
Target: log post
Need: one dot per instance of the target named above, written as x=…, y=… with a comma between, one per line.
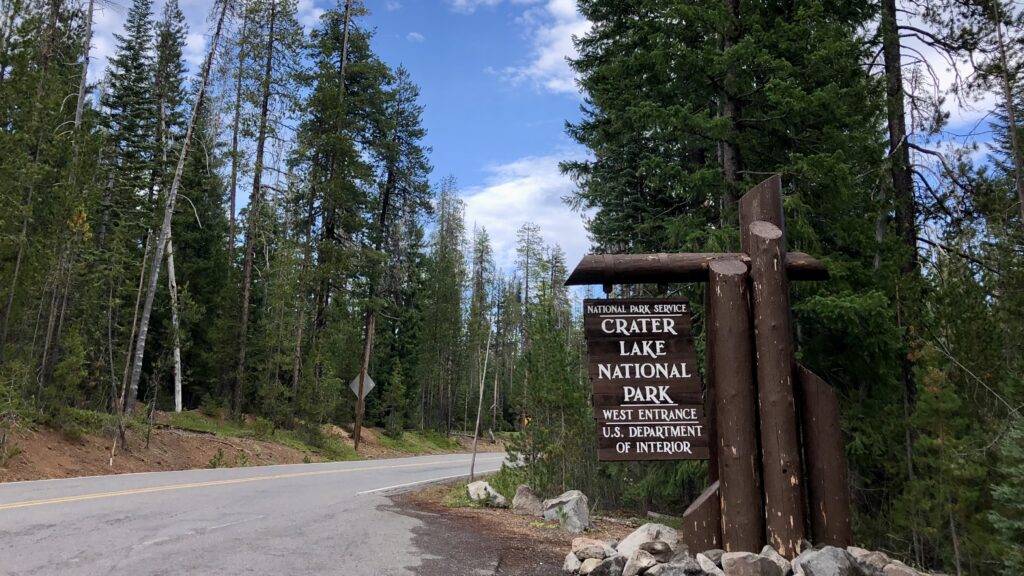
x=825, y=458
x=730, y=345
x=709, y=383
x=762, y=202
x=701, y=522
x=780, y=439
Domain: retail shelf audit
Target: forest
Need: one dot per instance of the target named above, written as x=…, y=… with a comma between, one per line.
x=252, y=234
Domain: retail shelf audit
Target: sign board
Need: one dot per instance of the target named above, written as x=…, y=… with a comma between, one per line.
x=642, y=364
x=368, y=385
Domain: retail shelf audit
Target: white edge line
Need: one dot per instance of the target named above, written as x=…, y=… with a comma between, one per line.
x=429, y=480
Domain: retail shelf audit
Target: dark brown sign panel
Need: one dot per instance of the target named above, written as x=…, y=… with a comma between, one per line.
x=643, y=370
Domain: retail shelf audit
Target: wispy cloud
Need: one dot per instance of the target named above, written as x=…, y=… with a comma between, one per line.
x=550, y=28
x=470, y=6
x=415, y=37
x=529, y=189
x=392, y=5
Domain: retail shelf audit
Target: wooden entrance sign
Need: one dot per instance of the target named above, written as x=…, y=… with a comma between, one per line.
x=770, y=429
x=643, y=371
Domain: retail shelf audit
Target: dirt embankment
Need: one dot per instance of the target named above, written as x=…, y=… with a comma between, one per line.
x=40, y=452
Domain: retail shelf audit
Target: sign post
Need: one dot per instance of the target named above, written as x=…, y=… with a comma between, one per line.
x=772, y=426
x=643, y=371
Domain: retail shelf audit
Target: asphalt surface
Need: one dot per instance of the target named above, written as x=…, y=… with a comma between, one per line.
x=328, y=518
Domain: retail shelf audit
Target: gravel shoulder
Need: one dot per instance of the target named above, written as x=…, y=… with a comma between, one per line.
x=485, y=541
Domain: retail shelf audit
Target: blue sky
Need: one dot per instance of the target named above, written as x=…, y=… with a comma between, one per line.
x=496, y=91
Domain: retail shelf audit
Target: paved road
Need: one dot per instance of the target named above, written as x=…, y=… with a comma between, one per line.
x=329, y=518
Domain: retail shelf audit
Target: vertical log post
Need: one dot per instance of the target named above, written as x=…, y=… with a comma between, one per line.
x=762, y=202
x=825, y=458
x=730, y=345
x=780, y=438
x=709, y=397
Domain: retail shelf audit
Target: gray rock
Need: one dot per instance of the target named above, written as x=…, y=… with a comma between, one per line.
x=638, y=563
x=708, y=566
x=656, y=570
x=481, y=491
x=571, y=510
x=715, y=554
x=770, y=553
x=830, y=561
x=585, y=548
x=648, y=533
x=857, y=552
x=899, y=569
x=688, y=566
x=610, y=567
x=571, y=564
x=527, y=502
x=588, y=566
x=749, y=564
x=874, y=561
x=661, y=551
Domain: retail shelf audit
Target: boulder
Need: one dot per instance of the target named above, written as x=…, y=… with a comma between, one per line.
x=857, y=552
x=570, y=509
x=482, y=492
x=685, y=567
x=527, y=502
x=661, y=551
x=638, y=563
x=899, y=569
x=749, y=564
x=585, y=548
x=770, y=553
x=873, y=561
x=648, y=533
x=572, y=563
x=708, y=565
x=657, y=570
x=715, y=555
x=610, y=567
x=830, y=561
x=588, y=566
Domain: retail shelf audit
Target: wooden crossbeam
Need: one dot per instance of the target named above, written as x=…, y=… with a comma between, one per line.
x=665, y=268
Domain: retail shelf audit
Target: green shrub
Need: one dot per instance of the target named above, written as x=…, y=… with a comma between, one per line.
x=218, y=460
x=262, y=428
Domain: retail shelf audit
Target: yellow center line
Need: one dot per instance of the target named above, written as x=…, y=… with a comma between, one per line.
x=169, y=487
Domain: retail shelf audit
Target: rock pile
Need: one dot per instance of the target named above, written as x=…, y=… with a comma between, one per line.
x=655, y=550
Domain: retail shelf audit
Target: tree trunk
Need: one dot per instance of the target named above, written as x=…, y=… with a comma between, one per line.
x=254, y=208
x=233, y=189
x=729, y=109
x=165, y=228
x=1011, y=117
x=371, y=320
x=172, y=288
x=480, y=407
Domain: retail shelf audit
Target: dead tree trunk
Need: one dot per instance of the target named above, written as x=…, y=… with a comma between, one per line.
x=165, y=228
x=172, y=288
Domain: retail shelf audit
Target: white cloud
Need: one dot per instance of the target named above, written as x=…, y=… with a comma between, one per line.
x=415, y=37
x=527, y=190
x=308, y=14
x=392, y=5
x=551, y=28
x=470, y=6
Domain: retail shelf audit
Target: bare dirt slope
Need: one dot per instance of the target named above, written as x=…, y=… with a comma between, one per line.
x=43, y=452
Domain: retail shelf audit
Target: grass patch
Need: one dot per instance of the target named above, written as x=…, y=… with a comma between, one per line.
x=458, y=497
x=419, y=442
x=327, y=447
x=198, y=422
